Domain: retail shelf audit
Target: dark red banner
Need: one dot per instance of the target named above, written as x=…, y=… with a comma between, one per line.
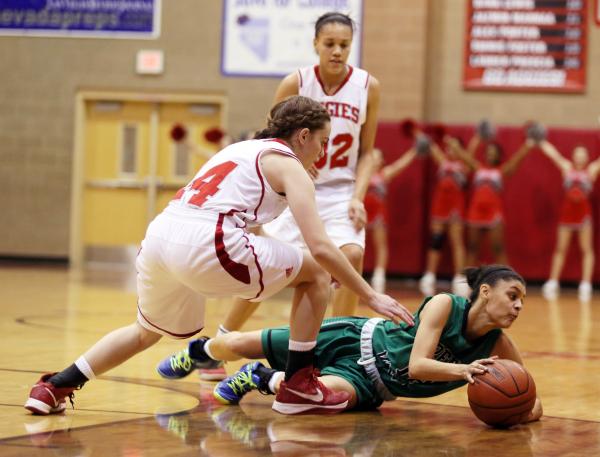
x=526, y=45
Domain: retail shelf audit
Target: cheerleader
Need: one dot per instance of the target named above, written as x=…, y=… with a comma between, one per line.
x=575, y=216
x=485, y=214
x=377, y=214
x=447, y=214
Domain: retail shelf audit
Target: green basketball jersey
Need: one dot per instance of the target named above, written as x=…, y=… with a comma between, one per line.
x=393, y=343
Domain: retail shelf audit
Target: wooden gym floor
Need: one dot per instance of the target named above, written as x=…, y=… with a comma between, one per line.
x=51, y=315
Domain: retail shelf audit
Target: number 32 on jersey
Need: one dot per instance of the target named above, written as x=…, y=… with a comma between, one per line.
x=340, y=143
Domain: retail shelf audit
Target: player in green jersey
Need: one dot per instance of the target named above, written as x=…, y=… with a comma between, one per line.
x=375, y=360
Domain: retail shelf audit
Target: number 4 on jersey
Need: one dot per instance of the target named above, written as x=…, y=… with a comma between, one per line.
x=196, y=192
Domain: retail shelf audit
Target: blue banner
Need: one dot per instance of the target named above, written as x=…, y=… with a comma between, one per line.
x=92, y=18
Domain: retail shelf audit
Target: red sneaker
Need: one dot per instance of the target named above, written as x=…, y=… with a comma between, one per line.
x=45, y=398
x=304, y=393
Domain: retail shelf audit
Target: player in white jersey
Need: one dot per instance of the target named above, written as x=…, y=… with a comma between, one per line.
x=200, y=246
x=351, y=96
x=342, y=175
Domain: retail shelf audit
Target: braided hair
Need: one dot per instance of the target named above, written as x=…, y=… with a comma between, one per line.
x=489, y=274
x=291, y=114
x=333, y=17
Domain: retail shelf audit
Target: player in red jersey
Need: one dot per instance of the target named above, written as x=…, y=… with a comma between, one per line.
x=575, y=216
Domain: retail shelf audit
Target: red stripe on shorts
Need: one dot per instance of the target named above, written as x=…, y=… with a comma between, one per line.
x=176, y=335
x=238, y=270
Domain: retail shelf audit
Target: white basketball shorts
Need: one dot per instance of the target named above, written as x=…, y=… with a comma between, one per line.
x=183, y=261
x=332, y=204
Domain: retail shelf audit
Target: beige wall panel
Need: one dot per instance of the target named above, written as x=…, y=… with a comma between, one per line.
x=40, y=78
x=446, y=101
x=394, y=46
x=414, y=47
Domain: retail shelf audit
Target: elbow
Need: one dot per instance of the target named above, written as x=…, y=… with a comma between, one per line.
x=413, y=370
x=320, y=250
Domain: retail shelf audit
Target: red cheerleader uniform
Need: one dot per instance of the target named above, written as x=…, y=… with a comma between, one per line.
x=576, y=210
x=485, y=208
x=448, y=202
x=375, y=202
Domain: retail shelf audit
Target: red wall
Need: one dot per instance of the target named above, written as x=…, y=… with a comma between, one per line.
x=532, y=199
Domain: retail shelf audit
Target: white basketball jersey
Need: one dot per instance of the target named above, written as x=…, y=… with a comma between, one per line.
x=348, y=110
x=232, y=183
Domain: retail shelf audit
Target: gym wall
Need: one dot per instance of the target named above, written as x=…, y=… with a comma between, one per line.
x=414, y=47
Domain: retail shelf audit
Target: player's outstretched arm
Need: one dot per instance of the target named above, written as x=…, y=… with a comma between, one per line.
x=422, y=365
x=286, y=175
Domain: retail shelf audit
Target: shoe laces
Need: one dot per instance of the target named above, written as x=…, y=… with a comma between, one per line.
x=181, y=360
x=71, y=396
x=242, y=383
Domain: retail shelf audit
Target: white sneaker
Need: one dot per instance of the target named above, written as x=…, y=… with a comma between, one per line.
x=550, y=289
x=585, y=291
x=378, y=282
x=460, y=286
x=427, y=284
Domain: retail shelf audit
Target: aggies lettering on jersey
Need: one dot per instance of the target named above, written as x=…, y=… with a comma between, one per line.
x=347, y=107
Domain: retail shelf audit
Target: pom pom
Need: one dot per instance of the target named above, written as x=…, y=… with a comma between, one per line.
x=214, y=135
x=486, y=130
x=408, y=127
x=536, y=131
x=178, y=133
x=437, y=132
x=422, y=144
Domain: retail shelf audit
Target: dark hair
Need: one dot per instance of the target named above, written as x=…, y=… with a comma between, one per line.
x=291, y=114
x=499, y=151
x=489, y=274
x=333, y=17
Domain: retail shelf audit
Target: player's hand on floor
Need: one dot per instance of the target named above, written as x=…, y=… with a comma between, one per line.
x=357, y=214
x=477, y=367
x=390, y=308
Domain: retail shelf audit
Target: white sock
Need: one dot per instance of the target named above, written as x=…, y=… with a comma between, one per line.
x=429, y=275
x=379, y=272
x=207, y=349
x=222, y=330
x=302, y=346
x=85, y=368
x=273, y=382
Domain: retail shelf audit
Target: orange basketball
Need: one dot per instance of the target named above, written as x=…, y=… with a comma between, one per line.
x=503, y=396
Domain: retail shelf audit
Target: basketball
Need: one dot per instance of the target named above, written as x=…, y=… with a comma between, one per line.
x=503, y=396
